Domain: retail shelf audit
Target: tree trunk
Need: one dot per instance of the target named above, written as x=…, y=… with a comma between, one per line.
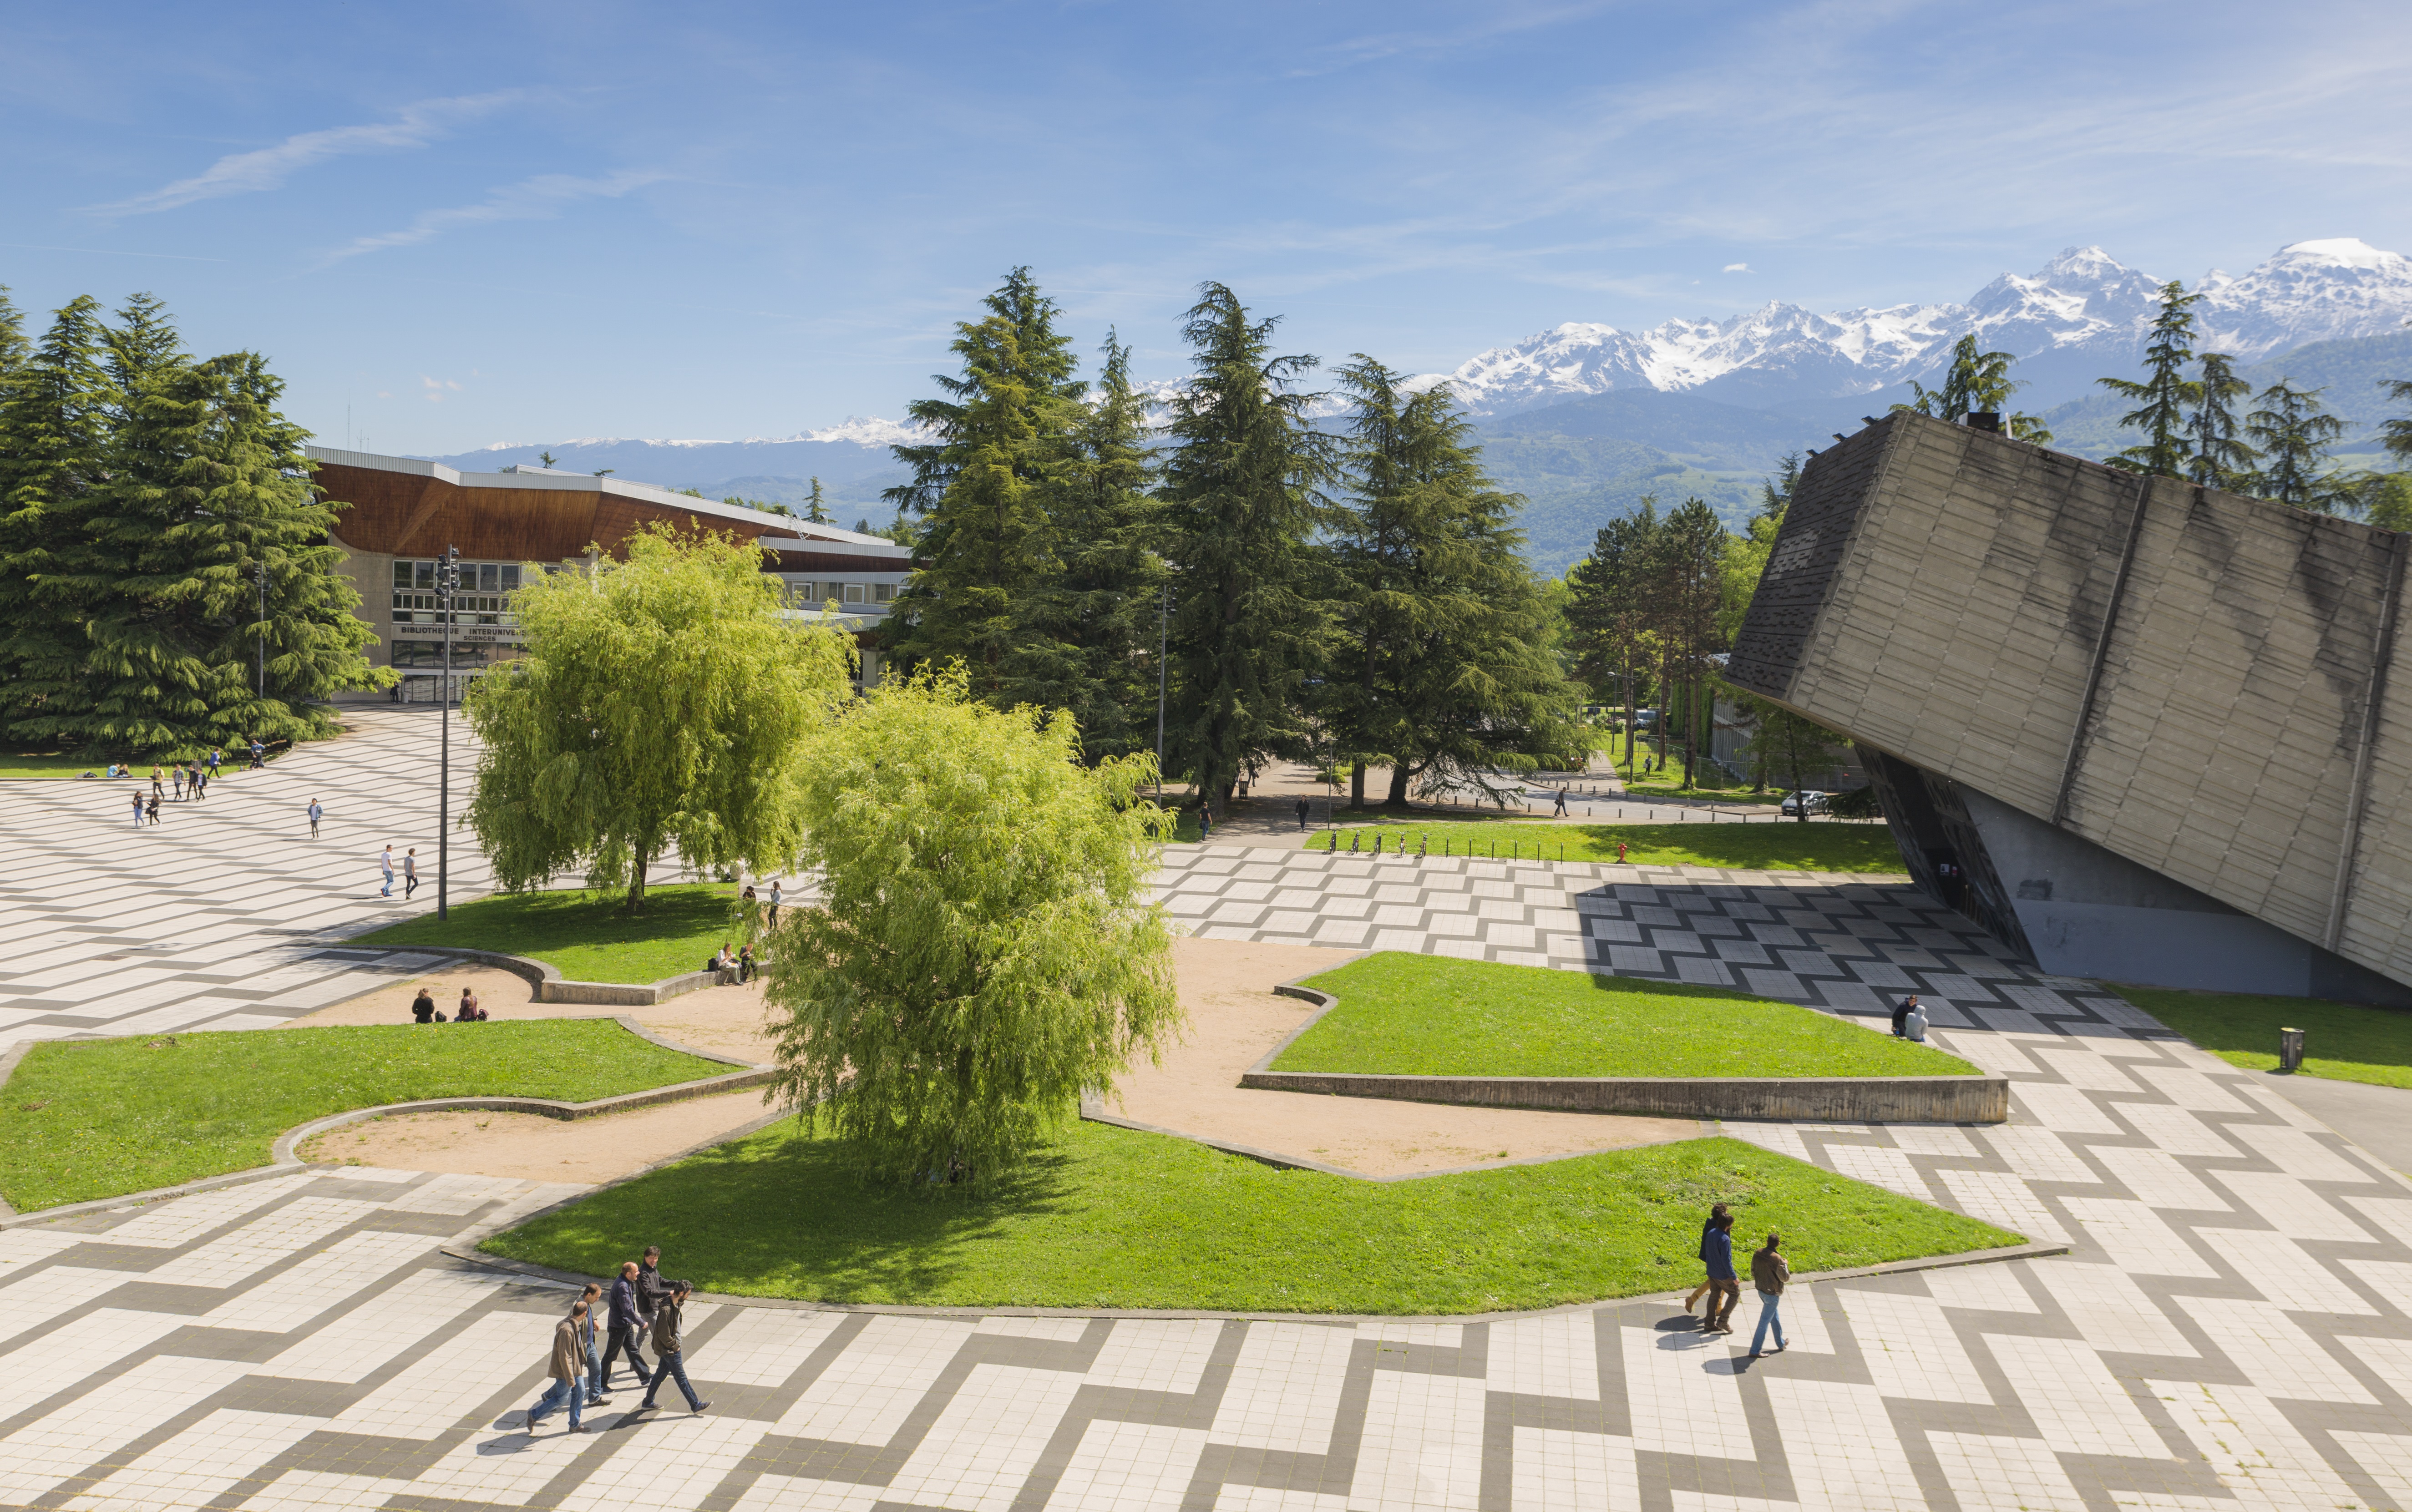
x=1398, y=774
x=636, y=888
x=1356, y=782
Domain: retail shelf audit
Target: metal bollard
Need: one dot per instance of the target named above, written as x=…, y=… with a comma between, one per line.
x=2290, y=1048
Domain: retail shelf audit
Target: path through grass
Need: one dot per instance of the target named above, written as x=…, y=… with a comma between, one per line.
x=1108, y=1217
x=1819, y=846
x=590, y=936
x=1414, y=1015
x=86, y=1119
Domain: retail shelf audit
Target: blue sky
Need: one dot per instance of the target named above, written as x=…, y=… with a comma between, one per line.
x=526, y=222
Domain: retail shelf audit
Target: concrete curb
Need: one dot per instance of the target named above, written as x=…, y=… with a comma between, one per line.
x=1982, y=1098
x=552, y=987
x=283, y=1161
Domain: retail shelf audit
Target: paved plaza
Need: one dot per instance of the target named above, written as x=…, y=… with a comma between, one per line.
x=2229, y=1329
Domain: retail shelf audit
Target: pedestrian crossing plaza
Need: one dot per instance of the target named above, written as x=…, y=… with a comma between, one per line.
x=2232, y=1325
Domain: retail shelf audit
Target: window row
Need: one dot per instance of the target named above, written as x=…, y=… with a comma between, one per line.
x=476, y=576
x=814, y=594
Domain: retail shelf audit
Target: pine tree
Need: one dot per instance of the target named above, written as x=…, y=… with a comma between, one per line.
x=1091, y=626
x=14, y=348
x=2162, y=397
x=1244, y=495
x=1976, y=383
x=979, y=486
x=2396, y=435
x=814, y=510
x=1689, y=580
x=1609, y=611
x=210, y=510
x=1445, y=663
x=54, y=433
x=2294, y=432
x=2221, y=459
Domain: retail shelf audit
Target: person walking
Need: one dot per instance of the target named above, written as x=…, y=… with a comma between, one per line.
x=1769, y=1272
x=1562, y=805
x=138, y=811
x=410, y=871
x=176, y=778
x=670, y=1349
x=259, y=755
x=569, y=1371
x=1716, y=1251
x=1706, y=1223
x=215, y=755
x=584, y=1313
x=151, y=810
x=200, y=782
x=1301, y=814
x=385, y=865
x=159, y=788
x=626, y=1320
x=774, y=903
x=651, y=1287
x=316, y=812
x=1901, y=1014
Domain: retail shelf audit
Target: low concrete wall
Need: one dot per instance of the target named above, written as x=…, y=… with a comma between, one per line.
x=1978, y=1099
x=552, y=987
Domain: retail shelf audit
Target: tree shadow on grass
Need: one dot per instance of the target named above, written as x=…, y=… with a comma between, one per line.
x=785, y=1214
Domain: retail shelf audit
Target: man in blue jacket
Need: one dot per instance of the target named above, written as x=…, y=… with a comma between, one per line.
x=1716, y=1252
x=628, y=1323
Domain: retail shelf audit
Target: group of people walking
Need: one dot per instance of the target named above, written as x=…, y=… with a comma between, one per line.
x=1770, y=1272
x=642, y=1309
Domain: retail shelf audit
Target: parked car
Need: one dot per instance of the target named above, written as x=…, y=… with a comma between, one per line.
x=1807, y=800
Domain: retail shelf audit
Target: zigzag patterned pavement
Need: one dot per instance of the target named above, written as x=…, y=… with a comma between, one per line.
x=2232, y=1327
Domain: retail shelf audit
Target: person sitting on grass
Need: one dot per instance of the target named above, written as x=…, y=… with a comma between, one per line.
x=422, y=1007
x=468, y=1012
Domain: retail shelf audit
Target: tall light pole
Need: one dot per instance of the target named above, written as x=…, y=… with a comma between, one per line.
x=263, y=629
x=448, y=582
x=1163, y=629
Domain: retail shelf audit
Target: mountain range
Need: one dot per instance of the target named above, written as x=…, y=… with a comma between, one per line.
x=1587, y=420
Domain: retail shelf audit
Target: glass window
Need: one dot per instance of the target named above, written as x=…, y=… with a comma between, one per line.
x=422, y=574
x=854, y=593
x=511, y=578
x=883, y=593
x=489, y=577
x=402, y=575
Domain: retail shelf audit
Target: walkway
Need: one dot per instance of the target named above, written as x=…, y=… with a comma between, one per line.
x=2232, y=1327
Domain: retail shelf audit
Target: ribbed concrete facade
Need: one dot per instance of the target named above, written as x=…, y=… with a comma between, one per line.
x=2194, y=682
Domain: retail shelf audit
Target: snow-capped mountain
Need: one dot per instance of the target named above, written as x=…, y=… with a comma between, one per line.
x=2081, y=314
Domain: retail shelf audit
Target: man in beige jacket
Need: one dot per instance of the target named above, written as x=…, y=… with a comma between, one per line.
x=569, y=1370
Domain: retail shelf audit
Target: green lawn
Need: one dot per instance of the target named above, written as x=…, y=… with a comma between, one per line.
x=1711, y=782
x=34, y=764
x=1819, y=846
x=1431, y=1016
x=84, y=1118
x=590, y=936
x=2341, y=1041
x=1108, y=1217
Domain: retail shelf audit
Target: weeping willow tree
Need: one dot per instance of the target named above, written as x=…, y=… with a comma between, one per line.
x=664, y=701
x=982, y=952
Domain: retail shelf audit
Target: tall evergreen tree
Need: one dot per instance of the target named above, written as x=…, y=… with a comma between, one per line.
x=210, y=510
x=980, y=485
x=14, y=348
x=1610, y=610
x=1092, y=626
x=1976, y=382
x=2222, y=458
x=1243, y=492
x=1689, y=576
x=2294, y=432
x=55, y=436
x=2161, y=399
x=1445, y=662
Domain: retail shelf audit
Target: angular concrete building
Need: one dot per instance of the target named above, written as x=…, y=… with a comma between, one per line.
x=2141, y=730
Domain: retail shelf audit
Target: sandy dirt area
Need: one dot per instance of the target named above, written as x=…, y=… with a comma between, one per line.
x=530, y=1148
x=1234, y=1018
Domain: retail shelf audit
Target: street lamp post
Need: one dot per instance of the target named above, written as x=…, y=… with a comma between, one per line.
x=1163, y=628
x=448, y=582
x=263, y=628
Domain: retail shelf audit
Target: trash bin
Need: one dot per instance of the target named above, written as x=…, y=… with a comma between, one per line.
x=2290, y=1048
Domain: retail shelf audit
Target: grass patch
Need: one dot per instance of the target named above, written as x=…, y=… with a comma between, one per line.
x=87, y=1119
x=2341, y=1041
x=35, y=764
x=1412, y=1015
x=1819, y=846
x=1709, y=782
x=1108, y=1217
x=591, y=937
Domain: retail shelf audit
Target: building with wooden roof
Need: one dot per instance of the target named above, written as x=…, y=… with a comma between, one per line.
x=403, y=513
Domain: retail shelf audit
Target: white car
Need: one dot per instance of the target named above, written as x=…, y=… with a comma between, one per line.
x=1807, y=800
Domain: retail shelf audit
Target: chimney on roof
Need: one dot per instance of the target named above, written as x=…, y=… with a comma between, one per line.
x=1985, y=419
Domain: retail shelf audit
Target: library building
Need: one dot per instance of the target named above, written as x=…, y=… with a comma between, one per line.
x=404, y=513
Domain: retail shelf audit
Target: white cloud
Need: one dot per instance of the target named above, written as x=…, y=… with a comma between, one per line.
x=538, y=199
x=414, y=126
x=438, y=389
x=1737, y=268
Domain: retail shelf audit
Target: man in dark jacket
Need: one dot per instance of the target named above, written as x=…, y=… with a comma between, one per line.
x=669, y=1345
x=628, y=1326
x=1901, y=1014
x=1716, y=1252
x=1769, y=1273
x=651, y=1287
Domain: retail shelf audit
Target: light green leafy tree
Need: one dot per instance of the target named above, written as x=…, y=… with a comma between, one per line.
x=983, y=952
x=2162, y=396
x=665, y=700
